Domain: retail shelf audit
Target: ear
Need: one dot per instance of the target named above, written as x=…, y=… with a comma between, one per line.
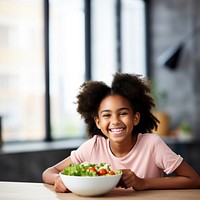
x=136, y=118
x=97, y=121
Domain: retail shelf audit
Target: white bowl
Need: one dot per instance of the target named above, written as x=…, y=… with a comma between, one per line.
x=90, y=185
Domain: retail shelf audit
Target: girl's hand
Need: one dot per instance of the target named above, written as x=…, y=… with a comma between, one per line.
x=59, y=186
x=129, y=179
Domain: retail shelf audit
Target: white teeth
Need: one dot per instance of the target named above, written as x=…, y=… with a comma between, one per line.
x=116, y=130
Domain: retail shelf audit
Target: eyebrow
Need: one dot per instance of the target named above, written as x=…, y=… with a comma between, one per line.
x=117, y=110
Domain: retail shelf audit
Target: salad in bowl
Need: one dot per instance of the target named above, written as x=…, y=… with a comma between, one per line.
x=88, y=179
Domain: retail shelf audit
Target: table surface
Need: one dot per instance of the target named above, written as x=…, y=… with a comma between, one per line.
x=40, y=191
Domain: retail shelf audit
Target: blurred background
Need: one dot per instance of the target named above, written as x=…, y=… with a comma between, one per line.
x=48, y=48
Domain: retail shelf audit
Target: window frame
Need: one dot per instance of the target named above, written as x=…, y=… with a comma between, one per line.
x=88, y=57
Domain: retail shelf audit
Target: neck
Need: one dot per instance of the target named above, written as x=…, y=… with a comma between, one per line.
x=121, y=149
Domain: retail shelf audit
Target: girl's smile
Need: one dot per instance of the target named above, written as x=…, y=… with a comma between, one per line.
x=116, y=118
x=116, y=132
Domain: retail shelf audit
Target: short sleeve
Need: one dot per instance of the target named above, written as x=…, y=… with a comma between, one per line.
x=83, y=153
x=165, y=158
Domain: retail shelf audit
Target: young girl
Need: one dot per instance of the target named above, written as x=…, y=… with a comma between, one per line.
x=119, y=124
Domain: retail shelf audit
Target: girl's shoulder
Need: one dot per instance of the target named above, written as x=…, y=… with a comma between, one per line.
x=90, y=144
x=149, y=138
x=151, y=142
x=96, y=139
x=148, y=135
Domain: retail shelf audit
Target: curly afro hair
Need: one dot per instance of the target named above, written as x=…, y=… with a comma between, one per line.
x=130, y=86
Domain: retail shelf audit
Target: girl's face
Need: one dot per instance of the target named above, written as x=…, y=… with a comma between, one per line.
x=116, y=118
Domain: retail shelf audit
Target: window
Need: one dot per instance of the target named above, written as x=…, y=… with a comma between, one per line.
x=22, y=70
x=67, y=66
x=133, y=41
x=117, y=38
x=103, y=39
x=116, y=42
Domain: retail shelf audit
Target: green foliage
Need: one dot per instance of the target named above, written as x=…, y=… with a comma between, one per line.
x=160, y=95
x=184, y=126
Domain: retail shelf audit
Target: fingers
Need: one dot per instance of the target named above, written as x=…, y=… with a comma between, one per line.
x=121, y=184
x=125, y=179
x=128, y=179
x=59, y=186
x=59, y=189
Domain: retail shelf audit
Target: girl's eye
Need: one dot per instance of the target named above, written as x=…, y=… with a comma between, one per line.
x=106, y=115
x=123, y=113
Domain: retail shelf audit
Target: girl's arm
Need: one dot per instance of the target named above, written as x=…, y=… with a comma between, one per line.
x=51, y=175
x=185, y=178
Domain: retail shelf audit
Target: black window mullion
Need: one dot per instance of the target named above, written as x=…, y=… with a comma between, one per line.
x=47, y=79
x=118, y=34
x=147, y=36
x=88, y=69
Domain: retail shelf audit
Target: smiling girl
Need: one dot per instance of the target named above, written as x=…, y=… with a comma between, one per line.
x=119, y=125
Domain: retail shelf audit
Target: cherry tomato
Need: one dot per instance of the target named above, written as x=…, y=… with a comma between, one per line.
x=111, y=173
x=91, y=169
x=102, y=172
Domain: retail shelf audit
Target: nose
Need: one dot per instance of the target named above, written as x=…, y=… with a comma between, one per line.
x=115, y=120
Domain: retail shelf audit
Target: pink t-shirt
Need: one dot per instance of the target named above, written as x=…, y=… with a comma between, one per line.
x=149, y=157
